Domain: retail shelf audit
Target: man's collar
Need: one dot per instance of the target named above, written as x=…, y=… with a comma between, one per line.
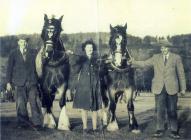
x=23, y=50
x=167, y=55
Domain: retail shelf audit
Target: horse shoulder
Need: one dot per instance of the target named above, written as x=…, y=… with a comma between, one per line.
x=38, y=63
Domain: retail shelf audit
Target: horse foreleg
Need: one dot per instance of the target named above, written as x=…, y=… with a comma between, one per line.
x=104, y=113
x=63, y=122
x=48, y=117
x=113, y=125
x=133, y=125
x=105, y=108
x=49, y=120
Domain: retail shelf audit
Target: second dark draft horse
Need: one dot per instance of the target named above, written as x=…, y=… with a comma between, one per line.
x=119, y=80
x=53, y=69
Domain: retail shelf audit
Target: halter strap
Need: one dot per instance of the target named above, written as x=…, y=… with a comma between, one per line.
x=56, y=63
x=119, y=69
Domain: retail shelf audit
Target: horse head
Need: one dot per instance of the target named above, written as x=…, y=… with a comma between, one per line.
x=118, y=43
x=51, y=35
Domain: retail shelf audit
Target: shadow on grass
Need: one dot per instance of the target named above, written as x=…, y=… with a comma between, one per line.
x=184, y=122
x=145, y=119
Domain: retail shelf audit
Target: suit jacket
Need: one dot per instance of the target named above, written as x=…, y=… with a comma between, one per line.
x=20, y=71
x=171, y=75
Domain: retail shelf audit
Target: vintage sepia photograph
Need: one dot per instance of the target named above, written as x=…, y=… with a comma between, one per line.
x=95, y=69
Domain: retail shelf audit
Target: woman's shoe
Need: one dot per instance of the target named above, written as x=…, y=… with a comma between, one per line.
x=158, y=133
x=85, y=131
x=174, y=135
x=95, y=131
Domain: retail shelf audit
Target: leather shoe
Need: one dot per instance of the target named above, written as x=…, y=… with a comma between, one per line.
x=158, y=133
x=174, y=135
x=38, y=127
x=21, y=126
x=94, y=131
x=85, y=131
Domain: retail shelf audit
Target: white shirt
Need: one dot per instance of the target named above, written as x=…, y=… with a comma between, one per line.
x=167, y=55
x=22, y=52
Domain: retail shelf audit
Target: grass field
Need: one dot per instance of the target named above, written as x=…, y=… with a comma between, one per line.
x=144, y=110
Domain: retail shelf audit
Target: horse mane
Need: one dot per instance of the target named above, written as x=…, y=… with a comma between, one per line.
x=55, y=22
x=58, y=27
x=60, y=45
x=121, y=31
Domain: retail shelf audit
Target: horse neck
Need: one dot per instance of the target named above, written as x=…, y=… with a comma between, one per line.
x=59, y=44
x=59, y=50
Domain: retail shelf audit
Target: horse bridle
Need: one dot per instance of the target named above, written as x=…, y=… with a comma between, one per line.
x=116, y=68
x=119, y=69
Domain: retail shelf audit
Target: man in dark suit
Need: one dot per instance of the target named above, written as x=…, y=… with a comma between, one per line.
x=169, y=79
x=22, y=76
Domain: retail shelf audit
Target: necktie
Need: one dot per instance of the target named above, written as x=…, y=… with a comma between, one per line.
x=165, y=59
x=24, y=54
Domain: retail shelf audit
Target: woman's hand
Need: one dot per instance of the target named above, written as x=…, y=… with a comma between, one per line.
x=130, y=61
x=69, y=52
x=182, y=93
x=8, y=87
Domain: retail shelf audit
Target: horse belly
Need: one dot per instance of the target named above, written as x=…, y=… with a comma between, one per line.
x=120, y=81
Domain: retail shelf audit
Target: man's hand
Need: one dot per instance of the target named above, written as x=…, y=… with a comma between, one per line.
x=9, y=87
x=182, y=93
x=69, y=52
x=130, y=61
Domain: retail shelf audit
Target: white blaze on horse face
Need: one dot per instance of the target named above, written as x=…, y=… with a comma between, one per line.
x=118, y=58
x=50, y=31
x=89, y=50
x=118, y=48
x=118, y=39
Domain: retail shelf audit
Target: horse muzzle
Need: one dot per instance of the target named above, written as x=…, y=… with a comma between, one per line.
x=48, y=49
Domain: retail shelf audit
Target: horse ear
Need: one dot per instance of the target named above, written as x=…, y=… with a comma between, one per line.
x=125, y=27
x=111, y=28
x=61, y=18
x=45, y=17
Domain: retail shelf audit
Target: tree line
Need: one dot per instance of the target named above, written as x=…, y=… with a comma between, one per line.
x=140, y=49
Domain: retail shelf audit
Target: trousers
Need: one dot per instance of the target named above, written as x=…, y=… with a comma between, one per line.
x=166, y=103
x=24, y=94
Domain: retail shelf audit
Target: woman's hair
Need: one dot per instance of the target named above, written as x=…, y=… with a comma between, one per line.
x=89, y=42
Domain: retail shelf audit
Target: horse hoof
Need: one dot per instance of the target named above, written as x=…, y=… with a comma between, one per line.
x=51, y=126
x=136, y=131
x=49, y=121
x=113, y=126
x=63, y=124
x=66, y=128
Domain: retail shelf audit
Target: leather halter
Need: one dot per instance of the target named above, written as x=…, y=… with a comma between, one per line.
x=119, y=69
x=116, y=68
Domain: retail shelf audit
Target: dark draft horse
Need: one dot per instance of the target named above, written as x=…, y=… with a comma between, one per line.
x=119, y=80
x=53, y=69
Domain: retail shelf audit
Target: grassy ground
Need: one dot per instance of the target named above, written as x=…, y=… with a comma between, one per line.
x=144, y=113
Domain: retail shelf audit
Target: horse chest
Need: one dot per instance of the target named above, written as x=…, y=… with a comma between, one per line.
x=121, y=78
x=53, y=76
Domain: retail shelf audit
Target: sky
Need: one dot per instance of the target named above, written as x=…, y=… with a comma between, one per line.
x=143, y=17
